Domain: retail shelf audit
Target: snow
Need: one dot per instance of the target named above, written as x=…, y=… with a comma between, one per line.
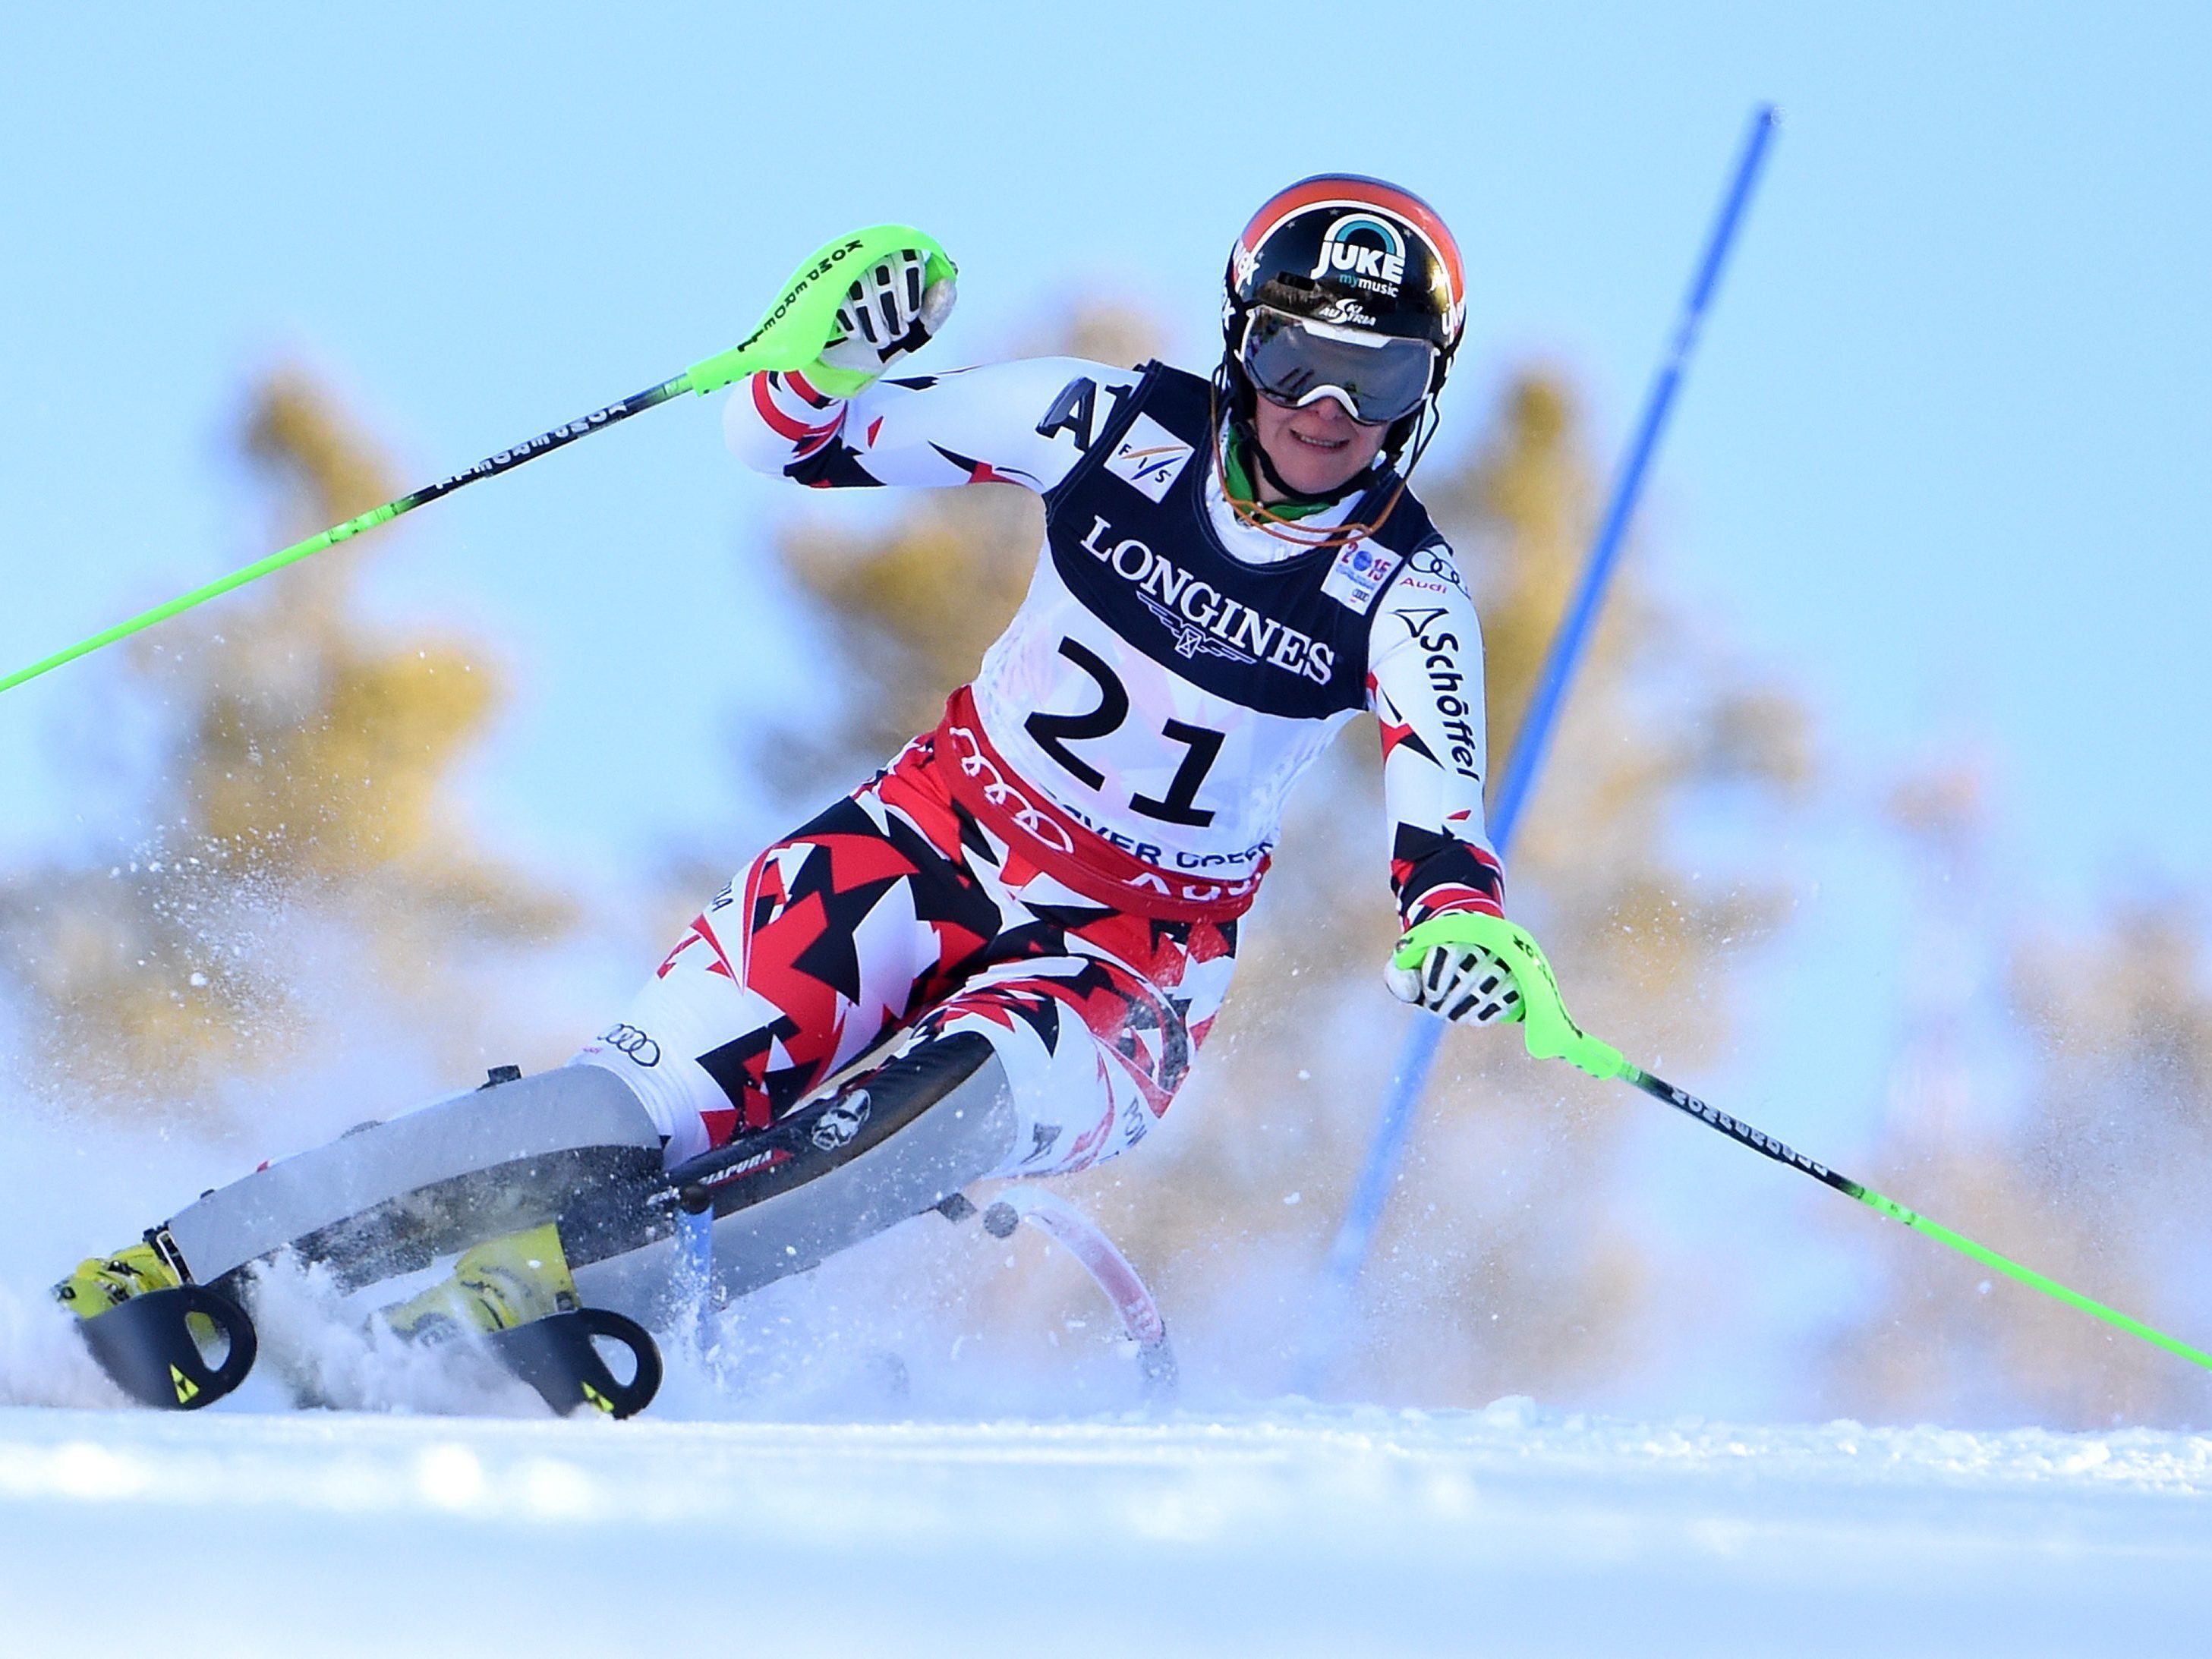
x=1278, y=1527
x=869, y=1459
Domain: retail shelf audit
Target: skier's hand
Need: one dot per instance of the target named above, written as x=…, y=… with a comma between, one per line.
x=1483, y=969
x=1438, y=967
x=889, y=313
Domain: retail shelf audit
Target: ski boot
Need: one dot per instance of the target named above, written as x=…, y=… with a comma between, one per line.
x=495, y=1286
x=102, y=1283
x=151, y=1329
x=517, y=1295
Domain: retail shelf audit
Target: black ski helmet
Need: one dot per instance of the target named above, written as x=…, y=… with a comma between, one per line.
x=1348, y=252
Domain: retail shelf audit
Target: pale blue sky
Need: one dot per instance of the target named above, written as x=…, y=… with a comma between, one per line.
x=1940, y=462
x=1940, y=459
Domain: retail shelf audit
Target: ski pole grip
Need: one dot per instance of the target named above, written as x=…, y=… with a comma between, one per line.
x=1549, y=1030
x=803, y=319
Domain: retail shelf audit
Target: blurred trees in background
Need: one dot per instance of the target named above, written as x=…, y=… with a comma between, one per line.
x=2081, y=1152
x=308, y=860
x=1502, y=1267
x=311, y=881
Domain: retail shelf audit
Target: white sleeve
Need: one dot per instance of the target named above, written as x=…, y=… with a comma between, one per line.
x=1425, y=684
x=1026, y=422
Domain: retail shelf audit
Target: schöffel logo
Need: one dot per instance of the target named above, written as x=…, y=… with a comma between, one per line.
x=1459, y=704
x=1378, y=261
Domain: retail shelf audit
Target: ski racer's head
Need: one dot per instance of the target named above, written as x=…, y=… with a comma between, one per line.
x=1344, y=302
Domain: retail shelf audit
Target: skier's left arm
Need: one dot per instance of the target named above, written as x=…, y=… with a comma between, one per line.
x=1425, y=684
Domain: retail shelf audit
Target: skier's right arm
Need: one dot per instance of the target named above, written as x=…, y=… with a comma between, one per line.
x=1026, y=422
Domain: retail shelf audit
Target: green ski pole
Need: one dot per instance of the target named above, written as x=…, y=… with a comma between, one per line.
x=791, y=336
x=1552, y=1034
x=1768, y=1147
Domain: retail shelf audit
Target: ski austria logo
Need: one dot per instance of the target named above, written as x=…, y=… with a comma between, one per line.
x=1381, y=269
x=1344, y=310
x=1150, y=457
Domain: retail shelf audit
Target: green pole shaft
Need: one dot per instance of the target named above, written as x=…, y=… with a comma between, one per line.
x=504, y=461
x=1768, y=1146
x=790, y=336
x=2011, y=1269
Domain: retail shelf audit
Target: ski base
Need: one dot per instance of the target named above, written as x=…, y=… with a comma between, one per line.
x=148, y=1348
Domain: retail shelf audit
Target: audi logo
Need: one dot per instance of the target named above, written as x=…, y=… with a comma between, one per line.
x=1026, y=813
x=628, y=1039
x=1046, y=830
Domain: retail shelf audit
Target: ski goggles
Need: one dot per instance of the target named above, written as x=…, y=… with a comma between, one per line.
x=1379, y=378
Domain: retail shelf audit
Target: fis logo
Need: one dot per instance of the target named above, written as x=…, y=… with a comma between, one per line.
x=1150, y=457
x=1364, y=262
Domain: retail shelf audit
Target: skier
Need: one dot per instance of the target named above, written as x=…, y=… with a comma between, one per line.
x=1000, y=956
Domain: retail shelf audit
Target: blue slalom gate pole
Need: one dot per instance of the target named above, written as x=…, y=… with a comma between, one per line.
x=1355, y=1238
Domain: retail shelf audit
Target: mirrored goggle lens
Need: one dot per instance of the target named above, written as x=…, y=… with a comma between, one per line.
x=1384, y=376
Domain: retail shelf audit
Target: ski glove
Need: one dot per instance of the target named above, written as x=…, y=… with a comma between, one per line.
x=890, y=312
x=1546, y=1026
x=1453, y=974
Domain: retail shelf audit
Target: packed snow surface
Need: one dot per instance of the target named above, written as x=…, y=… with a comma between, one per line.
x=1285, y=1528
